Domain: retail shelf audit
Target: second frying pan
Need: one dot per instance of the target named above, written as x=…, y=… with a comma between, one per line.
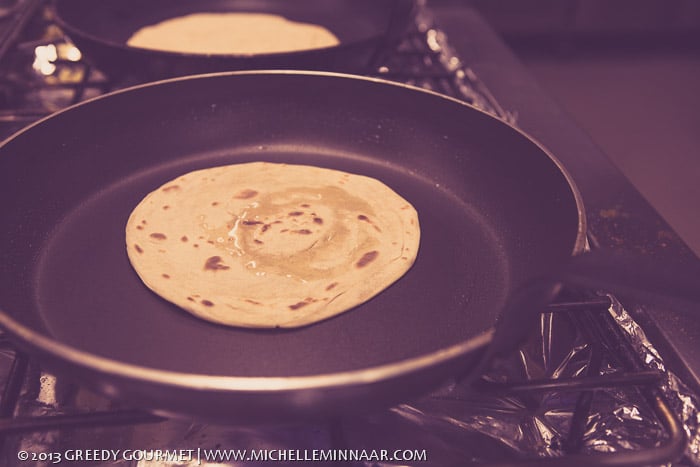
x=101, y=30
x=495, y=210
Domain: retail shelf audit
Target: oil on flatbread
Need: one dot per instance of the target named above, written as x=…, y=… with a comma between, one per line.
x=267, y=245
x=232, y=34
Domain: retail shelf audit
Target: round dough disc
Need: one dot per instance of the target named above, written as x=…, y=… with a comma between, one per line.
x=267, y=245
x=232, y=34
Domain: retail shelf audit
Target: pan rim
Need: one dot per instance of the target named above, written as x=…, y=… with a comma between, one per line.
x=268, y=384
x=241, y=383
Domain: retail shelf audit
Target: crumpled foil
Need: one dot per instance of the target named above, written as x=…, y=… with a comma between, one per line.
x=681, y=399
x=458, y=426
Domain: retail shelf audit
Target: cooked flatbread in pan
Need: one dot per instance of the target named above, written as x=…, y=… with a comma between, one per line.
x=265, y=245
x=232, y=33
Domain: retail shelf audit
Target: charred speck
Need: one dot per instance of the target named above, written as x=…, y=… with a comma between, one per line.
x=138, y=248
x=207, y=303
x=183, y=238
x=367, y=258
x=214, y=264
x=245, y=194
x=251, y=222
x=295, y=213
x=302, y=231
x=158, y=236
x=318, y=220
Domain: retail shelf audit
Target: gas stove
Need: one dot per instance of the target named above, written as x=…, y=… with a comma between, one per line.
x=589, y=387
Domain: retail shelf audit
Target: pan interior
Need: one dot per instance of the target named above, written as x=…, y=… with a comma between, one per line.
x=89, y=297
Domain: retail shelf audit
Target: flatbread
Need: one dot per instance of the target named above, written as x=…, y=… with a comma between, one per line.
x=266, y=245
x=232, y=34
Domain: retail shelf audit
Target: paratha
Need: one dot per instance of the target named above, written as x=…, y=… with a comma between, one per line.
x=232, y=34
x=266, y=245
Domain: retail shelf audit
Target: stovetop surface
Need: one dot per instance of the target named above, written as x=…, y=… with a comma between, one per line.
x=618, y=215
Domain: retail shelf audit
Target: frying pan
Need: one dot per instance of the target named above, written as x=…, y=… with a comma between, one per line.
x=496, y=210
x=101, y=30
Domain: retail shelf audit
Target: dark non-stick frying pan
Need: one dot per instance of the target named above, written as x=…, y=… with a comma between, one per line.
x=496, y=211
x=101, y=30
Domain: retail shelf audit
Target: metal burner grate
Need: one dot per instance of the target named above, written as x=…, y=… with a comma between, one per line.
x=424, y=58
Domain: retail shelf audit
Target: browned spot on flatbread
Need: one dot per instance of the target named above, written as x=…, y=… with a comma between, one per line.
x=245, y=194
x=196, y=245
x=302, y=231
x=166, y=207
x=165, y=276
x=183, y=238
x=158, y=236
x=171, y=188
x=318, y=220
x=139, y=227
x=295, y=213
x=207, y=303
x=251, y=222
x=264, y=228
x=367, y=258
x=259, y=242
x=305, y=205
x=215, y=203
x=214, y=263
x=252, y=301
x=138, y=248
x=364, y=218
x=331, y=286
x=190, y=299
x=143, y=221
x=298, y=305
